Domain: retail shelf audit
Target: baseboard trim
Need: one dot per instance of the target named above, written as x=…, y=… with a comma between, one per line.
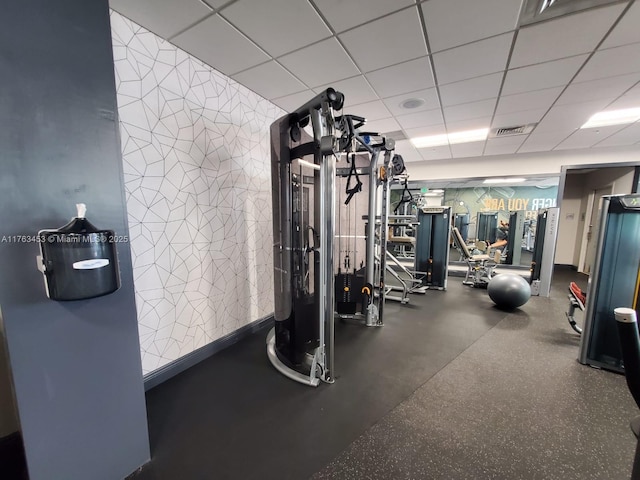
x=13, y=463
x=172, y=369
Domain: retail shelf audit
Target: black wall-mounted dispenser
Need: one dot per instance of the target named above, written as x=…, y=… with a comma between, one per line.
x=78, y=260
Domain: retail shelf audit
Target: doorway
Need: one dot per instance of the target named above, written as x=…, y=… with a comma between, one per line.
x=592, y=228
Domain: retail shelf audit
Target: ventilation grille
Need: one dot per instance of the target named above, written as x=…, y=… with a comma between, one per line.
x=509, y=131
x=535, y=11
x=396, y=135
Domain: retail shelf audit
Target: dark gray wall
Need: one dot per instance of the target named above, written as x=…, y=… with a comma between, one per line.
x=8, y=417
x=76, y=365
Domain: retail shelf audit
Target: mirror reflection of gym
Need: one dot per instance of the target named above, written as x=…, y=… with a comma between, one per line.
x=497, y=219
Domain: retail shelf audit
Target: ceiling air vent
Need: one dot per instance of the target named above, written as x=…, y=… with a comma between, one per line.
x=396, y=135
x=535, y=11
x=509, y=131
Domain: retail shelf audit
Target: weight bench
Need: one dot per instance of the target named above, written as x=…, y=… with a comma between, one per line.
x=479, y=267
x=576, y=300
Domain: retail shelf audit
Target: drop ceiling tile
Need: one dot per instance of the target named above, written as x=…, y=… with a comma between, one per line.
x=518, y=118
x=614, y=61
x=567, y=118
x=586, y=138
x=438, y=129
x=539, y=142
x=545, y=75
x=356, y=90
x=420, y=119
x=504, y=145
x=630, y=99
x=408, y=152
x=429, y=96
x=467, y=111
x=627, y=29
x=292, y=102
x=320, y=64
x=435, y=153
x=387, y=41
x=269, y=80
x=385, y=125
x=538, y=99
x=471, y=149
x=563, y=36
x=343, y=15
x=406, y=77
x=473, y=60
x=607, y=88
x=466, y=91
x=219, y=45
x=278, y=26
x=163, y=17
x=479, y=19
x=628, y=135
x=375, y=110
x=464, y=125
x=215, y=3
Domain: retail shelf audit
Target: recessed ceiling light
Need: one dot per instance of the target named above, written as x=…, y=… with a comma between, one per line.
x=438, y=190
x=505, y=180
x=450, y=138
x=412, y=103
x=613, y=117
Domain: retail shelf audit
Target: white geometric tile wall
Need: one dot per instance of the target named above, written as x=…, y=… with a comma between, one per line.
x=195, y=148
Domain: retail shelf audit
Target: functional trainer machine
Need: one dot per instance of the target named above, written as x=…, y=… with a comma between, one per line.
x=303, y=176
x=356, y=283
x=615, y=281
x=303, y=173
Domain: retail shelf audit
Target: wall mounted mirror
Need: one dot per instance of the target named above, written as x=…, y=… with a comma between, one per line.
x=491, y=215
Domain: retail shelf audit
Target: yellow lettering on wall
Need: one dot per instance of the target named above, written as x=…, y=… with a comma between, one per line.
x=501, y=204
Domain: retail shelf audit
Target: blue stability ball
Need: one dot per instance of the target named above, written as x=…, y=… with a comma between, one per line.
x=509, y=291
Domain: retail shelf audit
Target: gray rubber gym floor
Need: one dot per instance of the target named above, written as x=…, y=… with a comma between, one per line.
x=449, y=388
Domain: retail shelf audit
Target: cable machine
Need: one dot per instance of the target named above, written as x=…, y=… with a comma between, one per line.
x=303, y=176
x=615, y=281
x=356, y=283
x=303, y=170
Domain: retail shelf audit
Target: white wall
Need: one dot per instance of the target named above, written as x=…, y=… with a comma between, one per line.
x=519, y=164
x=568, y=230
x=195, y=150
